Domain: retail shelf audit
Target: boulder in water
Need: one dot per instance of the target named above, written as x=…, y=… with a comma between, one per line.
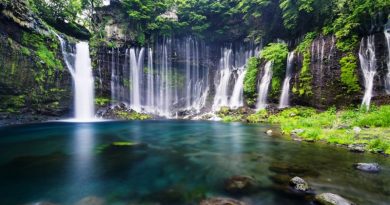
x=239, y=184
x=331, y=199
x=299, y=184
x=221, y=201
x=41, y=203
x=359, y=148
x=269, y=132
x=368, y=167
x=91, y=200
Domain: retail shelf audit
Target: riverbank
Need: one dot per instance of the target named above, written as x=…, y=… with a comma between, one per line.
x=358, y=129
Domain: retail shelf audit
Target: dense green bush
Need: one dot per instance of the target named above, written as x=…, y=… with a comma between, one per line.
x=250, y=81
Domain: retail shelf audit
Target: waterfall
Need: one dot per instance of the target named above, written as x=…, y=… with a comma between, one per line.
x=79, y=66
x=284, y=98
x=237, y=100
x=264, y=86
x=136, y=69
x=84, y=84
x=150, y=82
x=387, y=78
x=232, y=71
x=368, y=65
x=222, y=89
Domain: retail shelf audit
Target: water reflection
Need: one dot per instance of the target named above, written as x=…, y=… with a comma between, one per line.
x=82, y=165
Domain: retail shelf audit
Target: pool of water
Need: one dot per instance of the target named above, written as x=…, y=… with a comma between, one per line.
x=173, y=162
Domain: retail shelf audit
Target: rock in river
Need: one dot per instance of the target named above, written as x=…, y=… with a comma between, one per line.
x=221, y=201
x=368, y=167
x=357, y=147
x=239, y=184
x=91, y=200
x=299, y=184
x=331, y=199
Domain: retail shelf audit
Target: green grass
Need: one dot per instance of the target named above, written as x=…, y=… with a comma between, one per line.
x=336, y=127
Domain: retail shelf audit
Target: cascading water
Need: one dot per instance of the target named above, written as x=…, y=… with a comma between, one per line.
x=284, y=98
x=368, y=65
x=136, y=68
x=81, y=71
x=237, y=100
x=84, y=84
x=221, y=97
x=264, y=86
x=387, y=78
x=232, y=70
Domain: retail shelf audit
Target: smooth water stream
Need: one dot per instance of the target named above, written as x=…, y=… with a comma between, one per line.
x=176, y=162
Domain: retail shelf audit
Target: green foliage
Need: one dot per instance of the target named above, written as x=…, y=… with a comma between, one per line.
x=260, y=116
x=102, y=101
x=250, y=80
x=276, y=53
x=337, y=127
x=305, y=78
x=11, y=103
x=348, y=73
x=376, y=117
x=232, y=118
x=132, y=115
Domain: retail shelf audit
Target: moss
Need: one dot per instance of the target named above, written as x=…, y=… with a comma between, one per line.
x=132, y=115
x=260, y=116
x=348, y=73
x=304, y=87
x=12, y=103
x=232, y=118
x=250, y=81
x=102, y=101
x=124, y=143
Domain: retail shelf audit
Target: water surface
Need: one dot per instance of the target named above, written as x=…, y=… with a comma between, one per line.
x=175, y=162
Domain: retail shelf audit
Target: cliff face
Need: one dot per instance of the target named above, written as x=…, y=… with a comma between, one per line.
x=33, y=78
x=325, y=69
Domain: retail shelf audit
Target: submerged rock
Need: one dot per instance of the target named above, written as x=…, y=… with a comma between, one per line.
x=368, y=167
x=331, y=199
x=292, y=170
x=221, y=201
x=299, y=184
x=357, y=148
x=91, y=200
x=239, y=184
x=41, y=203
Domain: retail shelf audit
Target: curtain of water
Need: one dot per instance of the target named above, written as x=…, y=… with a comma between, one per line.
x=284, y=98
x=368, y=65
x=264, y=86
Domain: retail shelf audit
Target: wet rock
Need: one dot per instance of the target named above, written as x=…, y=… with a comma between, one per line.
x=91, y=200
x=239, y=184
x=357, y=130
x=299, y=184
x=269, y=132
x=368, y=167
x=359, y=148
x=331, y=199
x=221, y=201
x=297, y=131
